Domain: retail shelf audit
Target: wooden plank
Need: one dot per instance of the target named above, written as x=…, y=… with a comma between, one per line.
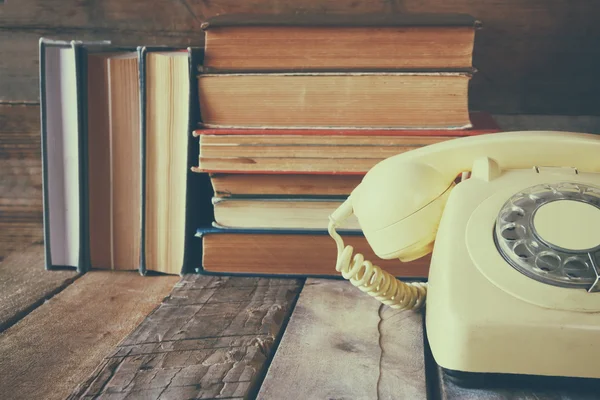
x=19, y=65
x=60, y=343
x=25, y=284
x=16, y=235
x=17, y=121
x=161, y=15
x=20, y=177
x=211, y=338
x=341, y=343
x=20, y=164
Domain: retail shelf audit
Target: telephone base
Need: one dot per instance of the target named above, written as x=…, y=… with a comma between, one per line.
x=482, y=380
x=485, y=316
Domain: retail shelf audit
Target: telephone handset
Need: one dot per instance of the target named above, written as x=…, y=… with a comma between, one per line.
x=522, y=230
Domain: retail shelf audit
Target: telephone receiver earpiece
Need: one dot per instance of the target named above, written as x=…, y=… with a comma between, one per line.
x=400, y=208
x=400, y=201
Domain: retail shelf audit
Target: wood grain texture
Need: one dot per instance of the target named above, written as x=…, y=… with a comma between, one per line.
x=533, y=56
x=211, y=338
x=20, y=177
x=19, y=66
x=25, y=284
x=15, y=235
x=59, y=344
x=341, y=344
x=20, y=161
x=394, y=100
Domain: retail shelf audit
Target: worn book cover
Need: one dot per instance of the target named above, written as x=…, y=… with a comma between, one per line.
x=352, y=42
x=288, y=252
x=63, y=140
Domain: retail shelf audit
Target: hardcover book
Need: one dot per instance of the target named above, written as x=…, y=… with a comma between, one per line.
x=289, y=252
x=278, y=212
x=172, y=194
x=359, y=42
x=63, y=153
x=336, y=100
x=306, y=152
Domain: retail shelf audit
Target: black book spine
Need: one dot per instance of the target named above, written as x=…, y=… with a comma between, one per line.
x=44, y=143
x=199, y=191
x=142, y=86
x=81, y=74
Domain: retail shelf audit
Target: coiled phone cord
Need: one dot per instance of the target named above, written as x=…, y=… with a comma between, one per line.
x=373, y=280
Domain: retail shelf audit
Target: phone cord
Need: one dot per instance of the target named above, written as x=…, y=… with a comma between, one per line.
x=374, y=281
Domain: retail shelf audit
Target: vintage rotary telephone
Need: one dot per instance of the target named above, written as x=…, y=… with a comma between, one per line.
x=514, y=282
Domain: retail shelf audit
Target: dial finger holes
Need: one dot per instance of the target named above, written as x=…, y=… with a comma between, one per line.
x=576, y=268
x=592, y=191
x=537, y=198
x=522, y=251
x=525, y=234
x=521, y=200
x=569, y=187
x=592, y=195
x=547, y=261
x=513, y=215
x=513, y=231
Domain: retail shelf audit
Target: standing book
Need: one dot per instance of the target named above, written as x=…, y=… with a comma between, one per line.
x=172, y=194
x=113, y=157
x=63, y=154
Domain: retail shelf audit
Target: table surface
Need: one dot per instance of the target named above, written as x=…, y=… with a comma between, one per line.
x=116, y=335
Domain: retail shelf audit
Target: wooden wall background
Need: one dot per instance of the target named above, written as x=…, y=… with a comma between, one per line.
x=533, y=57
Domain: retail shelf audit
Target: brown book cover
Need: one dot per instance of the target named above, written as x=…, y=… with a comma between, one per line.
x=293, y=253
x=227, y=185
x=355, y=42
x=311, y=146
x=114, y=173
x=391, y=100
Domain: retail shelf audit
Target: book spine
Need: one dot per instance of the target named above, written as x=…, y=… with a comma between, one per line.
x=142, y=87
x=44, y=144
x=189, y=199
x=198, y=186
x=81, y=74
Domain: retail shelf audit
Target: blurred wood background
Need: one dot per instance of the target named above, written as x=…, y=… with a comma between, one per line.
x=532, y=56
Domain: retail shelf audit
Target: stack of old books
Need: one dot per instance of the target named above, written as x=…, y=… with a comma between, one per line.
x=295, y=110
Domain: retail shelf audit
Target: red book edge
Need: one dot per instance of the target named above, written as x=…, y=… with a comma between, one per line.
x=482, y=123
x=266, y=172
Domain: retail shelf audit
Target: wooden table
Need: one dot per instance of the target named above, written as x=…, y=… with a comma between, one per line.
x=236, y=338
x=220, y=338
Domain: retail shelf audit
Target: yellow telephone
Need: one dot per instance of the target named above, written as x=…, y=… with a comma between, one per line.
x=514, y=285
